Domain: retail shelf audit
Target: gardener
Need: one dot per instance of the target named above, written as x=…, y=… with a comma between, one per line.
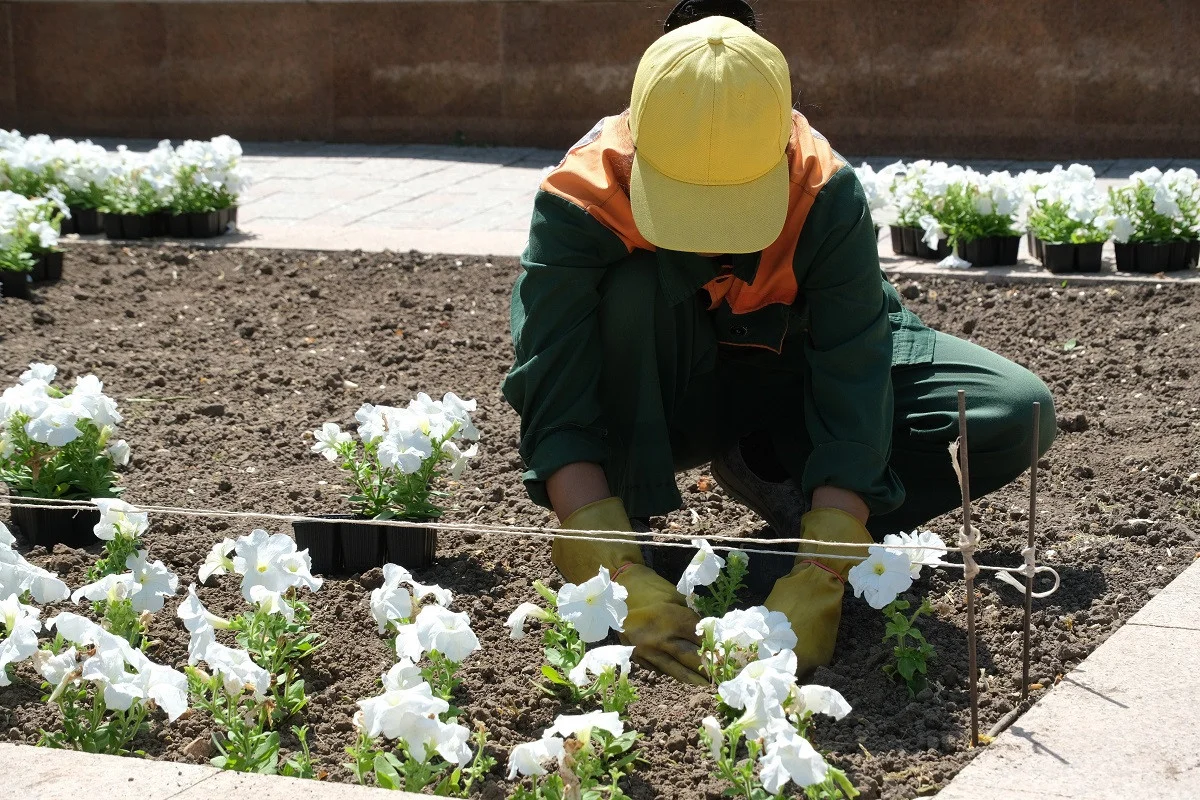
x=702, y=284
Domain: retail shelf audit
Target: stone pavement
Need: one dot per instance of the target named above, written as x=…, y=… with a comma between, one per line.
x=477, y=200
x=1125, y=723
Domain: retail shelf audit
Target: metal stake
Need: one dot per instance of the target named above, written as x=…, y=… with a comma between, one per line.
x=965, y=481
x=1033, y=467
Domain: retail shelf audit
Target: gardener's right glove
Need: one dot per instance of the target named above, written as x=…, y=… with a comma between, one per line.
x=660, y=626
x=811, y=595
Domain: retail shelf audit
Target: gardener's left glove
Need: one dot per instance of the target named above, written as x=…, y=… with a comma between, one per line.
x=811, y=595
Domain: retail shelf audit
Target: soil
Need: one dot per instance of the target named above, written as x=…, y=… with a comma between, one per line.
x=222, y=360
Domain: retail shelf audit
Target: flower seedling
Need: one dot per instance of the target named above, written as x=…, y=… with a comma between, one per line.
x=26, y=581
x=888, y=570
x=768, y=718
x=401, y=452
x=427, y=749
x=739, y=637
x=579, y=614
x=104, y=687
x=593, y=752
x=121, y=528
x=125, y=602
x=912, y=653
x=724, y=578
x=55, y=444
x=275, y=632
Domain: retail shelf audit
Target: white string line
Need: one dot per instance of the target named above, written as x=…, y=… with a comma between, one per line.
x=564, y=533
x=538, y=533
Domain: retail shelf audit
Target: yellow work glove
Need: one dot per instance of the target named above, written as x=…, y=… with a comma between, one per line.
x=660, y=626
x=810, y=596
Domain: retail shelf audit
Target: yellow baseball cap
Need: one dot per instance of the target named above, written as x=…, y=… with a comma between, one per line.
x=711, y=116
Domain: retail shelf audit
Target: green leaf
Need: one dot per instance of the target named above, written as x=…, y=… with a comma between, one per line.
x=386, y=775
x=554, y=676
x=906, y=667
x=1070, y=345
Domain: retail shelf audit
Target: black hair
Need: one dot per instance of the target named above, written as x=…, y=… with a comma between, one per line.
x=688, y=11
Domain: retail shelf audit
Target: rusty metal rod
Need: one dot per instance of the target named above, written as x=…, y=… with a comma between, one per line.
x=1033, y=467
x=965, y=482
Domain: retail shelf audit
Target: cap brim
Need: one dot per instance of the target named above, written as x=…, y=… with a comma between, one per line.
x=737, y=218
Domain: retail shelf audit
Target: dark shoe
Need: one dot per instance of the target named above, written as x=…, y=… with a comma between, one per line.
x=780, y=503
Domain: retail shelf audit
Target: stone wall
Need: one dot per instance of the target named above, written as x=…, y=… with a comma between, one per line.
x=968, y=78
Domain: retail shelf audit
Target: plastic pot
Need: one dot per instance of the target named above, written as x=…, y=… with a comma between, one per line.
x=87, y=221
x=362, y=547
x=52, y=524
x=1153, y=257
x=990, y=251
x=49, y=267
x=15, y=284
x=922, y=250
x=195, y=225
x=1062, y=258
x=323, y=541
x=68, y=224
x=131, y=226
x=413, y=548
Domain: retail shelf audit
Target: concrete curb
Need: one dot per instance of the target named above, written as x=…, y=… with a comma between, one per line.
x=1124, y=723
x=39, y=773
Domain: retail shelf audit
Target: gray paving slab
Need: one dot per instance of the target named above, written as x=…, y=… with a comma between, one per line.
x=1124, y=723
x=226, y=785
x=39, y=773
x=1176, y=606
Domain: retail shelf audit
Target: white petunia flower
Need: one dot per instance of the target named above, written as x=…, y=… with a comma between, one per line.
x=117, y=516
x=404, y=674
x=751, y=630
x=593, y=607
x=394, y=713
x=774, y=677
x=119, y=452
x=716, y=736
x=329, y=437
x=152, y=582
x=272, y=602
x=581, y=725
x=447, y=632
x=237, y=670
x=704, y=568
x=217, y=562
x=45, y=373
x=789, y=757
x=820, y=700
x=390, y=604
x=54, y=668
x=6, y=537
x=528, y=758
x=881, y=577
x=932, y=548
x=517, y=619
x=599, y=659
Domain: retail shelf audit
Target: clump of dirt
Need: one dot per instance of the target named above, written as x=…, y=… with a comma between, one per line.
x=223, y=359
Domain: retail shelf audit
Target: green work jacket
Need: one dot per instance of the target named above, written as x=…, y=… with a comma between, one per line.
x=815, y=298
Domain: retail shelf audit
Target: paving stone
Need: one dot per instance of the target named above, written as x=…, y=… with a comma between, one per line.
x=1176, y=606
x=1137, y=697
x=268, y=787
x=40, y=773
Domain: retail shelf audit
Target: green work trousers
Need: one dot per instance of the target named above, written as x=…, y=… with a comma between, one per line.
x=673, y=398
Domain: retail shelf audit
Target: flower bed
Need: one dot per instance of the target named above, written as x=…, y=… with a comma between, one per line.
x=217, y=399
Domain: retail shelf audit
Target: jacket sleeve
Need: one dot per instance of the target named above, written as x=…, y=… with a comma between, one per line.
x=848, y=351
x=554, y=381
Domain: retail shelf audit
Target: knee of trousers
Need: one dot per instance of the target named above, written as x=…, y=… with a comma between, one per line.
x=1004, y=437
